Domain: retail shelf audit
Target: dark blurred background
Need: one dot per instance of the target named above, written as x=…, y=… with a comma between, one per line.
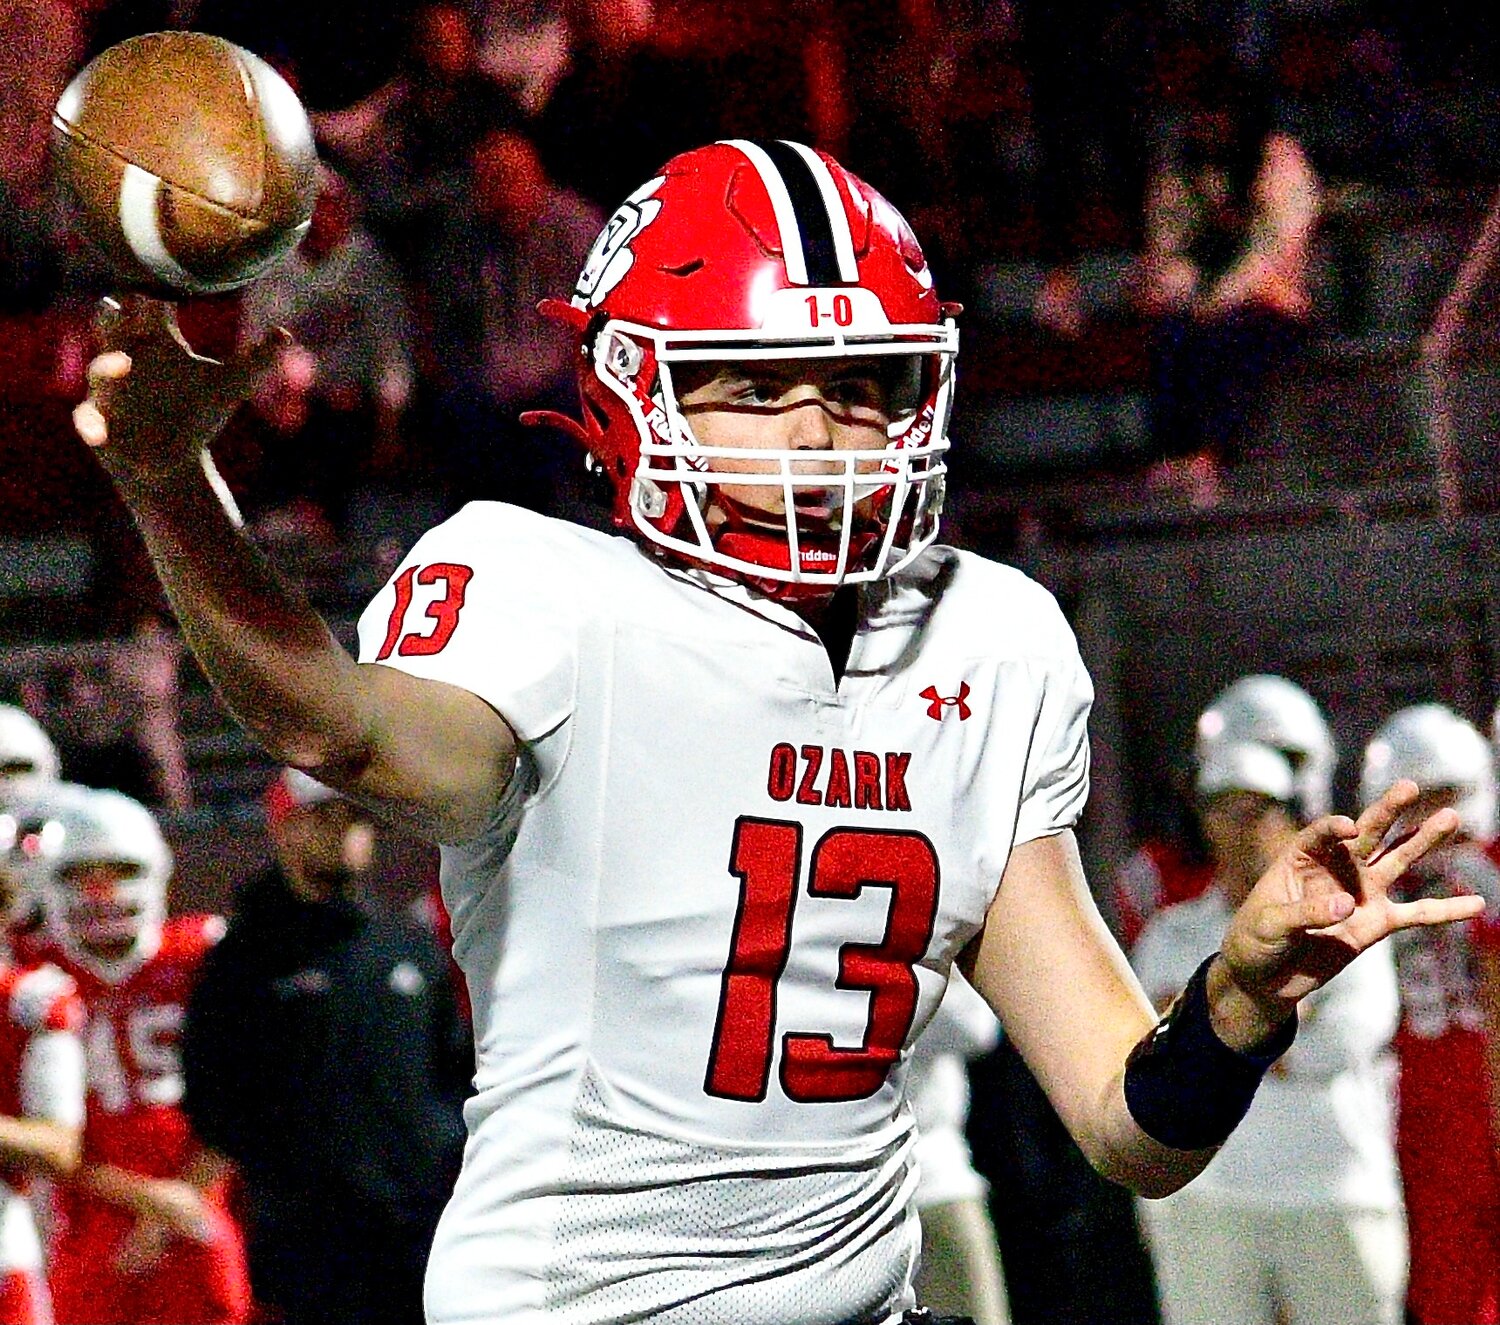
x=1334, y=522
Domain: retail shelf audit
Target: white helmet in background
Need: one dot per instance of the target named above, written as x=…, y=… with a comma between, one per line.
x=1436, y=749
x=26, y=751
x=1271, y=711
x=115, y=919
x=1245, y=766
x=20, y=847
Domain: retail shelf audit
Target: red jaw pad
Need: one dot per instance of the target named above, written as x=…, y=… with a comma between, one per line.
x=816, y=556
x=770, y=551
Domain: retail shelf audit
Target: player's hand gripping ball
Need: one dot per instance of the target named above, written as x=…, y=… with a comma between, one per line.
x=191, y=160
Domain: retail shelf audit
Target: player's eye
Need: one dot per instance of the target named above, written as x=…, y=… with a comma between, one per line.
x=752, y=391
x=860, y=391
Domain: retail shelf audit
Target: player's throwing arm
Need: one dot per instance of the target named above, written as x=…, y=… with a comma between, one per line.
x=431, y=753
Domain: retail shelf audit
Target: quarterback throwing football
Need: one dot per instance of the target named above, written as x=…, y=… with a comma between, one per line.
x=722, y=801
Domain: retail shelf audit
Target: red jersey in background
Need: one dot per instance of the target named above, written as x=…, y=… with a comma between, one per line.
x=41, y=1077
x=1445, y=1137
x=135, y=1122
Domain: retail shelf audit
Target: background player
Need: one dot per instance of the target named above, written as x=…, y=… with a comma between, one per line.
x=1298, y=1219
x=41, y=1080
x=689, y=1105
x=1270, y=711
x=1448, y=1044
x=960, y=1268
x=144, y=1233
x=27, y=754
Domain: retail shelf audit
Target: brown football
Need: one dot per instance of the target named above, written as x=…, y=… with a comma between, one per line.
x=190, y=159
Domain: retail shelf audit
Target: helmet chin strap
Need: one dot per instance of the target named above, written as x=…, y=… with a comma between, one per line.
x=770, y=550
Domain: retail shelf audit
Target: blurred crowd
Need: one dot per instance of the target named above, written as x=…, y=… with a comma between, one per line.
x=1166, y=166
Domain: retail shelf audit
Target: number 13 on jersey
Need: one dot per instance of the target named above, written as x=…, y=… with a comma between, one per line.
x=442, y=612
x=766, y=857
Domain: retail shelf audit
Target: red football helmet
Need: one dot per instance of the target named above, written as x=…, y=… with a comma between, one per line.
x=761, y=251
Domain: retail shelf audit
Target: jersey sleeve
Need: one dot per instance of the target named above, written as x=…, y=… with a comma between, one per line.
x=46, y=1000
x=478, y=603
x=1056, y=783
x=52, y=1078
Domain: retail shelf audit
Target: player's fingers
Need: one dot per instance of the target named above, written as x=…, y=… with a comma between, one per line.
x=145, y=316
x=105, y=373
x=108, y=314
x=108, y=368
x=1326, y=841
x=1313, y=912
x=1377, y=820
x=128, y=321
x=1323, y=834
x=89, y=424
x=1433, y=831
x=1435, y=911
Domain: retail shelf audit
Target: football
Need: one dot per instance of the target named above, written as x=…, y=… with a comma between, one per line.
x=190, y=160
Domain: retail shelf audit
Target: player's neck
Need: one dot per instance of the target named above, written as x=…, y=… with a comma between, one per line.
x=835, y=619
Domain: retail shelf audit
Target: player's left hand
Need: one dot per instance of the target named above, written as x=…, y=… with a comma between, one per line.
x=180, y=1208
x=1327, y=899
x=142, y=1247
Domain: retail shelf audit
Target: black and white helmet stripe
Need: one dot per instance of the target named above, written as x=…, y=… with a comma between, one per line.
x=815, y=238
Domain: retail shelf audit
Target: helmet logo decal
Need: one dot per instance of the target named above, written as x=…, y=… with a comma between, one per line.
x=611, y=257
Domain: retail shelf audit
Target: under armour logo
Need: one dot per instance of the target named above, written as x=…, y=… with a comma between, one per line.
x=937, y=703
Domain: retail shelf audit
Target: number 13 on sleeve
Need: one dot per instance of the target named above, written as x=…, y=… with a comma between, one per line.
x=442, y=611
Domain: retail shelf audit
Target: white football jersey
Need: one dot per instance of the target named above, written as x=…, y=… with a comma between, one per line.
x=715, y=911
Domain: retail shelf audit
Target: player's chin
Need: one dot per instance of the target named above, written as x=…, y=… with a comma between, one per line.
x=817, y=513
x=813, y=523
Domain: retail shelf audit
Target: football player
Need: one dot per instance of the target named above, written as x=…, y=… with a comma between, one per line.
x=1298, y=1220
x=145, y=1235
x=1448, y=1044
x=1270, y=711
x=722, y=801
x=960, y=1266
x=41, y=1078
